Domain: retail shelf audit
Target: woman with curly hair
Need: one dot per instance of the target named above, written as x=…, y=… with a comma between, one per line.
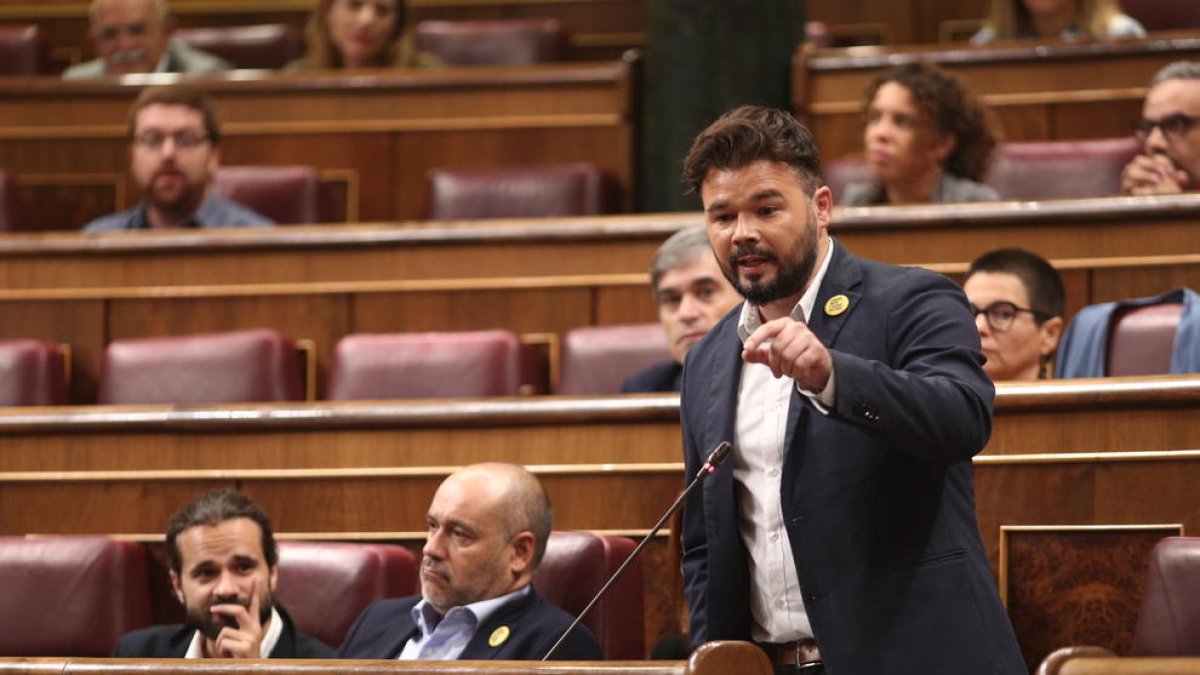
x=1053, y=19
x=926, y=140
x=358, y=34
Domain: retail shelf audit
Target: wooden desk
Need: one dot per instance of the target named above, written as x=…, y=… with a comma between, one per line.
x=377, y=133
x=1037, y=91
x=1067, y=229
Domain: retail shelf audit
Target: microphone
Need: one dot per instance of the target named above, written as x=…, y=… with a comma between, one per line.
x=710, y=465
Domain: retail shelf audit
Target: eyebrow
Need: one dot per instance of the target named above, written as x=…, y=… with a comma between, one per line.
x=761, y=196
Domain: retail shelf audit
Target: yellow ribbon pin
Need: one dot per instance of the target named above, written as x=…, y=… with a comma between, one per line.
x=836, y=305
x=499, y=636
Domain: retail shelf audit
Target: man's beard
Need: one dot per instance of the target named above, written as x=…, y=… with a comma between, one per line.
x=791, y=274
x=211, y=624
x=181, y=202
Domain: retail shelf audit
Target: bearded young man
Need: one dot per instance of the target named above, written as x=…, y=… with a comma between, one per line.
x=840, y=536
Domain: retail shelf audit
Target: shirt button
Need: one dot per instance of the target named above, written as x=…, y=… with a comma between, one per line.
x=774, y=536
x=773, y=472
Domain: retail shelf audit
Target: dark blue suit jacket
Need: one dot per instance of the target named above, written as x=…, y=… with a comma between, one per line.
x=386, y=626
x=877, y=496
x=172, y=641
x=663, y=376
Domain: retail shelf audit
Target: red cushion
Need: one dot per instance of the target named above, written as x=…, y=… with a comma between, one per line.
x=1169, y=621
x=512, y=42
x=235, y=367
x=23, y=51
x=428, y=365
x=575, y=567
x=1141, y=340
x=266, y=46
x=326, y=585
x=1061, y=169
x=597, y=359
x=286, y=194
x=70, y=596
x=32, y=373
x=533, y=191
x=1164, y=14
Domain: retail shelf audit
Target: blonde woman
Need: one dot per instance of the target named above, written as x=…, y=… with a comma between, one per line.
x=358, y=34
x=1053, y=19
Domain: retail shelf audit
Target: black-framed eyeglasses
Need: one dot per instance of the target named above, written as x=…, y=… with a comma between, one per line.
x=1173, y=126
x=1001, y=314
x=154, y=140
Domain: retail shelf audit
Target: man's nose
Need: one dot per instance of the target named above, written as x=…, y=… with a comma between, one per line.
x=744, y=230
x=433, y=547
x=227, y=585
x=689, y=308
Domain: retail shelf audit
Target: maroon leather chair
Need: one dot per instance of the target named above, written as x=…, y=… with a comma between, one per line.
x=326, y=585
x=575, y=567
x=1061, y=169
x=32, y=373
x=266, y=46
x=23, y=51
x=1169, y=621
x=843, y=171
x=597, y=359
x=70, y=596
x=429, y=365
x=234, y=367
x=1140, y=339
x=1164, y=14
x=510, y=42
x=287, y=194
x=533, y=191
x=11, y=207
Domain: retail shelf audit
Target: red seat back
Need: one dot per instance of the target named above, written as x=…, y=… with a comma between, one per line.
x=511, y=42
x=32, y=373
x=1141, y=339
x=573, y=189
x=1169, y=621
x=235, y=367
x=287, y=194
x=326, y=585
x=70, y=596
x=1061, y=169
x=429, y=365
x=575, y=567
x=1157, y=15
x=266, y=46
x=597, y=359
x=23, y=51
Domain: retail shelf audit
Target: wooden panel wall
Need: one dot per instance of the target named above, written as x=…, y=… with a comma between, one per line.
x=378, y=133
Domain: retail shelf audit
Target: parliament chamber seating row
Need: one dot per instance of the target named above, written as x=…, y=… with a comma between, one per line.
x=262, y=365
x=75, y=596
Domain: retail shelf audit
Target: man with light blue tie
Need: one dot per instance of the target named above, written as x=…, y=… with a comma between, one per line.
x=488, y=527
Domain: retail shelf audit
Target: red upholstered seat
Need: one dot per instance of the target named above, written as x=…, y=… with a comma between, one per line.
x=70, y=596
x=1141, y=339
x=1157, y=15
x=512, y=42
x=326, y=585
x=532, y=191
x=266, y=46
x=575, y=567
x=32, y=373
x=23, y=51
x=1169, y=621
x=429, y=365
x=597, y=359
x=843, y=171
x=287, y=194
x=1061, y=169
x=235, y=367
x=11, y=217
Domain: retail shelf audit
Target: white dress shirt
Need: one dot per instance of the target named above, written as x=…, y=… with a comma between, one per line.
x=759, y=434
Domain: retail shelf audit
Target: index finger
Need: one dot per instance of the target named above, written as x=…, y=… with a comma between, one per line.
x=765, y=332
x=254, y=601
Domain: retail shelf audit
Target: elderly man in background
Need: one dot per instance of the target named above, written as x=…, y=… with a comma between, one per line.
x=133, y=36
x=1170, y=159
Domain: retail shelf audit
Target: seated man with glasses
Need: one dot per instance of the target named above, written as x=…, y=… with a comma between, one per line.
x=1017, y=299
x=1169, y=134
x=174, y=153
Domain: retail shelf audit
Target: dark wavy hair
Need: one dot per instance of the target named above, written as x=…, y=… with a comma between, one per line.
x=213, y=508
x=951, y=110
x=747, y=134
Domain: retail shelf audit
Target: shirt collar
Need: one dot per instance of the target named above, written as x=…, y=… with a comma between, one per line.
x=274, y=630
x=427, y=617
x=751, y=318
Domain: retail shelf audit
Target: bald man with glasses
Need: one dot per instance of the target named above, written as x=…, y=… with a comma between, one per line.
x=1017, y=299
x=174, y=153
x=1169, y=133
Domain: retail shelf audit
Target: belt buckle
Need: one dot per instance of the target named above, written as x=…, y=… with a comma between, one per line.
x=807, y=657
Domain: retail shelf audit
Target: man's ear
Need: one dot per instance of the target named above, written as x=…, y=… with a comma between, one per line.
x=177, y=587
x=273, y=578
x=523, y=548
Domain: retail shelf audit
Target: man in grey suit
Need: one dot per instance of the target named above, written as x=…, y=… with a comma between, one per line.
x=133, y=36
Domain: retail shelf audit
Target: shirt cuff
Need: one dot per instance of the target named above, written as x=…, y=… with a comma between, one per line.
x=823, y=401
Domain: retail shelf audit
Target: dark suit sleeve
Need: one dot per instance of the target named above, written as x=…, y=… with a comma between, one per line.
x=931, y=399
x=348, y=649
x=693, y=539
